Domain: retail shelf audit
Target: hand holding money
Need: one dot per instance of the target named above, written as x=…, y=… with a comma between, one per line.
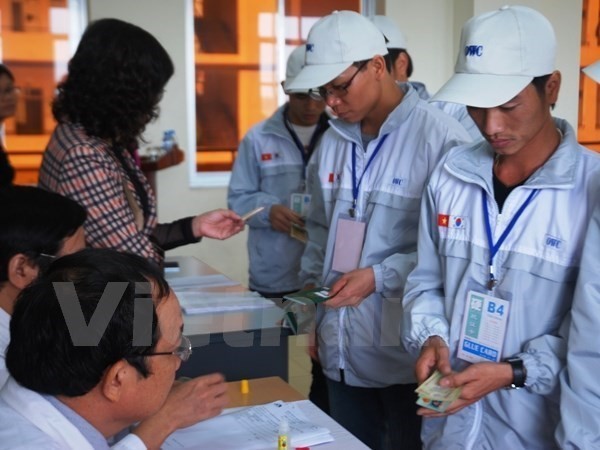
x=436, y=397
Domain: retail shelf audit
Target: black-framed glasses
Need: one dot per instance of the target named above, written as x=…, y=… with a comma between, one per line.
x=183, y=352
x=338, y=91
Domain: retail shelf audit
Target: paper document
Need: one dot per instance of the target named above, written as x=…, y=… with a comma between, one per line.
x=210, y=302
x=254, y=428
x=199, y=281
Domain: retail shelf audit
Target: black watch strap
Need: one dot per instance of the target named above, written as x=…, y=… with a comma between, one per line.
x=519, y=372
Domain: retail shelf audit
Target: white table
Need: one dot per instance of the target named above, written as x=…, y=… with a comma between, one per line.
x=242, y=344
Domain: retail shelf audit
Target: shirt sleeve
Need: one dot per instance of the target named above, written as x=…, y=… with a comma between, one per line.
x=129, y=442
x=175, y=234
x=244, y=192
x=423, y=300
x=317, y=227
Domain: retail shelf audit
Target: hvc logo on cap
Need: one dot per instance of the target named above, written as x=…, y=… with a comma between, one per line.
x=310, y=47
x=474, y=50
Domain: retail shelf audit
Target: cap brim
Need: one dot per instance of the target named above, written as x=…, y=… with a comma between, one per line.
x=288, y=90
x=593, y=71
x=481, y=90
x=317, y=75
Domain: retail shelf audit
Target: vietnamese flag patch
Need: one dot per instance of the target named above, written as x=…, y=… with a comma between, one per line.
x=266, y=157
x=443, y=220
x=331, y=177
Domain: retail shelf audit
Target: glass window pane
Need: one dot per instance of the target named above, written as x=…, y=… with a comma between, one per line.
x=238, y=62
x=35, y=44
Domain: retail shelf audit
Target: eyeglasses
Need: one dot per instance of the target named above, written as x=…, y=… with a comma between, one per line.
x=183, y=351
x=338, y=91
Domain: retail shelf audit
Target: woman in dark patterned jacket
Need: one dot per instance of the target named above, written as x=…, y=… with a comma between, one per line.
x=115, y=82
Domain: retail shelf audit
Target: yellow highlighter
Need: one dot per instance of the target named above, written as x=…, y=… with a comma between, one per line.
x=282, y=440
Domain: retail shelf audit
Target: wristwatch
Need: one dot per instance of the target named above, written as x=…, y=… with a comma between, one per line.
x=519, y=373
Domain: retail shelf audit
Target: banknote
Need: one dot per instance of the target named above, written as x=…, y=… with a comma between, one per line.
x=434, y=396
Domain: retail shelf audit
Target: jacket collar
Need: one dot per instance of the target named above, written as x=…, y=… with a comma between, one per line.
x=473, y=163
x=43, y=415
x=401, y=113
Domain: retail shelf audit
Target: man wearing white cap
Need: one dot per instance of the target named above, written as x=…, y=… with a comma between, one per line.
x=366, y=179
x=500, y=242
x=580, y=390
x=270, y=171
x=401, y=68
x=402, y=64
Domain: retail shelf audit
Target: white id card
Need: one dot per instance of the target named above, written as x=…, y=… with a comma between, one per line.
x=349, y=239
x=484, y=328
x=299, y=203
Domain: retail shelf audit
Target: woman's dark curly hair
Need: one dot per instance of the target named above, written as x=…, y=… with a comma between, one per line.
x=115, y=82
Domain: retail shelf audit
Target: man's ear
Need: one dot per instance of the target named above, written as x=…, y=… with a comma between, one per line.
x=378, y=63
x=400, y=71
x=117, y=379
x=553, y=87
x=21, y=271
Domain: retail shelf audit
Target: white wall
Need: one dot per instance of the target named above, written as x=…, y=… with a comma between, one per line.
x=432, y=28
x=167, y=21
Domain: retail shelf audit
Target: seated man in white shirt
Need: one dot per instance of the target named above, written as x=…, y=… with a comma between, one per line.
x=103, y=357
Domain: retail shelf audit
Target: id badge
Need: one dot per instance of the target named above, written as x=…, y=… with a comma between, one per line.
x=349, y=240
x=484, y=327
x=299, y=203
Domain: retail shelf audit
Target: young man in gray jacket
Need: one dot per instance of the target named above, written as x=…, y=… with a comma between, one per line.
x=580, y=390
x=366, y=180
x=500, y=241
x=269, y=171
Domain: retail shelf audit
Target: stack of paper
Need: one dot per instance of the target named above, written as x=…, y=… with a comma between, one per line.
x=254, y=428
x=199, y=302
x=201, y=281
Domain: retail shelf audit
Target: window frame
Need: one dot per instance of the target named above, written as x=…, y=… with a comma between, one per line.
x=202, y=179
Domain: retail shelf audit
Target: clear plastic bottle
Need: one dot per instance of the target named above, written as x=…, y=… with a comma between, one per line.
x=168, y=142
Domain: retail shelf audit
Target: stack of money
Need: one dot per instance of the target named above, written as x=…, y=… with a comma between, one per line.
x=434, y=396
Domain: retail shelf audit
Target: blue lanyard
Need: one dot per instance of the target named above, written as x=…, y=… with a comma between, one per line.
x=305, y=152
x=355, y=184
x=488, y=229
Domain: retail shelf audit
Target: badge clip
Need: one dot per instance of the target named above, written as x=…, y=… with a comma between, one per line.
x=352, y=211
x=492, y=282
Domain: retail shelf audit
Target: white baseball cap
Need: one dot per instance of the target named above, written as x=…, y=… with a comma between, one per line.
x=334, y=42
x=501, y=52
x=295, y=62
x=593, y=71
x=391, y=31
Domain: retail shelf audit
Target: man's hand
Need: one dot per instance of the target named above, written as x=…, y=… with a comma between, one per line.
x=187, y=403
x=282, y=217
x=352, y=288
x=217, y=224
x=434, y=355
x=476, y=381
